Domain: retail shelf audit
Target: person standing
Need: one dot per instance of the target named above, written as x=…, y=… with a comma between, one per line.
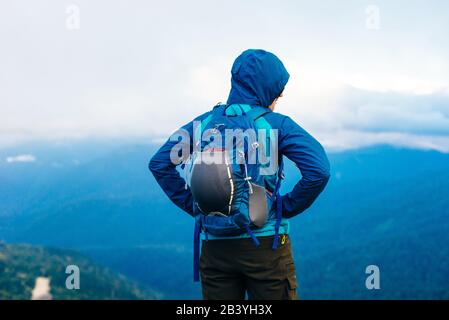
x=257, y=262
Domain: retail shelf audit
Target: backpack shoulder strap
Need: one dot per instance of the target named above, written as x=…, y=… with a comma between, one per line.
x=218, y=109
x=257, y=112
x=257, y=115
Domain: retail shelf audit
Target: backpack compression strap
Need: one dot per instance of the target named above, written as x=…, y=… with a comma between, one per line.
x=256, y=114
x=196, y=249
x=278, y=202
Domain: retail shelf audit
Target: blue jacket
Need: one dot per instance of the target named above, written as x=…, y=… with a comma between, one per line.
x=258, y=77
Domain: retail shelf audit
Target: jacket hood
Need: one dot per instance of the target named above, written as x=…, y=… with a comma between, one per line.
x=258, y=77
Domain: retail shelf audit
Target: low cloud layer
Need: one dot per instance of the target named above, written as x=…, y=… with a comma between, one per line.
x=21, y=158
x=144, y=69
x=426, y=114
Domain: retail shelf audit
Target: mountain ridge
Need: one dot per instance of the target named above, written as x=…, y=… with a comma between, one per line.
x=378, y=198
x=21, y=264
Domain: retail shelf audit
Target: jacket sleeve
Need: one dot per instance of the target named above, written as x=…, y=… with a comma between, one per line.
x=164, y=168
x=310, y=158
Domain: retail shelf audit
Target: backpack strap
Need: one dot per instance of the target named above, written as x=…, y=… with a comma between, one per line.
x=196, y=249
x=218, y=109
x=278, y=203
x=257, y=115
x=199, y=222
x=236, y=109
x=256, y=112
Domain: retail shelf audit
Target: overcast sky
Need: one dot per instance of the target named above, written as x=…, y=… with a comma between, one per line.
x=362, y=72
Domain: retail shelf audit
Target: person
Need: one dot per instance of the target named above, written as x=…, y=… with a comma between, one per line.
x=232, y=267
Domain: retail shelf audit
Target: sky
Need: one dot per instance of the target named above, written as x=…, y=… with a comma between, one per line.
x=362, y=72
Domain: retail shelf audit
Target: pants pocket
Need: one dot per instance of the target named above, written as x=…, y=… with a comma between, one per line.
x=291, y=287
x=291, y=282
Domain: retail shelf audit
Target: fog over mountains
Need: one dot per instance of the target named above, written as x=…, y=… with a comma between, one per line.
x=384, y=206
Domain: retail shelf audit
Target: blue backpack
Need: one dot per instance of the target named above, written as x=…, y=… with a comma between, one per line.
x=225, y=177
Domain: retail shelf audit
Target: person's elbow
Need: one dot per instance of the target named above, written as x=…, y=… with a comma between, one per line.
x=155, y=165
x=324, y=172
x=318, y=179
x=325, y=175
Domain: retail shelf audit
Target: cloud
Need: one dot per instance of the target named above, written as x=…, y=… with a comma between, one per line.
x=173, y=63
x=371, y=111
x=397, y=83
x=354, y=139
x=21, y=158
x=354, y=118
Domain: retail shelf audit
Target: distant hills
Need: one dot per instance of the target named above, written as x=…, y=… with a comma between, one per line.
x=20, y=265
x=385, y=206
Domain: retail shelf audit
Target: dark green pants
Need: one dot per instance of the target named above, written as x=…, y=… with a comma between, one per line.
x=231, y=268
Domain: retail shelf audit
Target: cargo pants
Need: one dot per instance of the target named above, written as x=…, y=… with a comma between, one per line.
x=233, y=269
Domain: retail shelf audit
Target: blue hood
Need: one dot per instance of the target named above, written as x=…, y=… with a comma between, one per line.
x=258, y=77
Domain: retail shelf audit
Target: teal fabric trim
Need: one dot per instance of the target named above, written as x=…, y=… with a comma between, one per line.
x=237, y=109
x=262, y=123
x=245, y=107
x=266, y=231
